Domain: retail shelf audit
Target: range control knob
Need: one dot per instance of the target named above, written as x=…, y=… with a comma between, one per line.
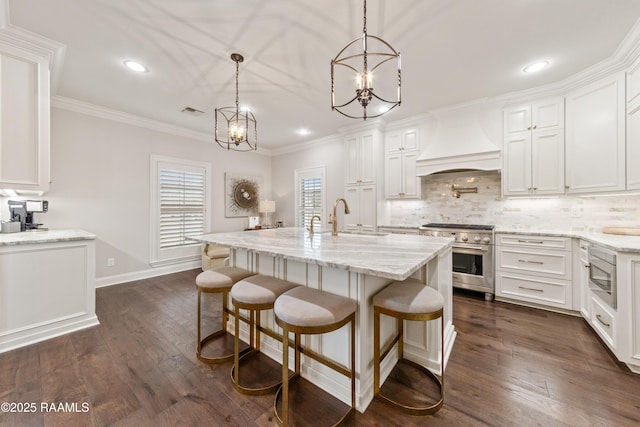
x=477, y=239
x=486, y=240
x=464, y=238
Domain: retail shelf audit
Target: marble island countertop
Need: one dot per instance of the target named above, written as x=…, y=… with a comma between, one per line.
x=42, y=236
x=392, y=256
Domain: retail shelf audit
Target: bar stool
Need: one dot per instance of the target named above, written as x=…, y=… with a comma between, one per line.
x=309, y=311
x=217, y=281
x=406, y=300
x=255, y=293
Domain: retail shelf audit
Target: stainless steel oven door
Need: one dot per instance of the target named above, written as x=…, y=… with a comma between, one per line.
x=473, y=268
x=602, y=280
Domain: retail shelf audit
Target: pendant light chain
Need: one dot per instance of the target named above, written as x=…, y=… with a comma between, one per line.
x=364, y=31
x=237, y=77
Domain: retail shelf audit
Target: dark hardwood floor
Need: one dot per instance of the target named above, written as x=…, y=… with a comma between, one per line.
x=510, y=366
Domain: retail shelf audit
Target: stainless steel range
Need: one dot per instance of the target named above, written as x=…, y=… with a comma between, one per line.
x=472, y=254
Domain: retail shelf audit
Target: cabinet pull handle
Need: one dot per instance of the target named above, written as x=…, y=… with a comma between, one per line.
x=538, y=242
x=530, y=289
x=535, y=126
x=530, y=262
x=529, y=128
x=566, y=187
x=602, y=321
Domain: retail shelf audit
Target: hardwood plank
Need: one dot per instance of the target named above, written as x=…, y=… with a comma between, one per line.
x=510, y=365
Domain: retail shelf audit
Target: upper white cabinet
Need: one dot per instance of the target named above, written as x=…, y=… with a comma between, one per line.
x=24, y=120
x=361, y=152
x=595, y=137
x=533, y=153
x=401, y=153
x=633, y=127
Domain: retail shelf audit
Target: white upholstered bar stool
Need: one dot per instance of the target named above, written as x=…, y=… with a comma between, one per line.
x=304, y=310
x=407, y=300
x=218, y=280
x=256, y=293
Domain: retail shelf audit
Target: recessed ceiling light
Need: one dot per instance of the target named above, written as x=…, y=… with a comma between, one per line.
x=136, y=66
x=246, y=109
x=303, y=132
x=536, y=66
x=383, y=109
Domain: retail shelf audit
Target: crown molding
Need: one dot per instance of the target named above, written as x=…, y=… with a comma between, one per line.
x=50, y=50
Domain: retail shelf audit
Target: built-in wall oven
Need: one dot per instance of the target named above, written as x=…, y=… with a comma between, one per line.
x=472, y=252
x=602, y=274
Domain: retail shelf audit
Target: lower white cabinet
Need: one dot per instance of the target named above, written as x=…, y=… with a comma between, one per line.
x=362, y=202
x=46, y=289
x=534, y=270
x=398, y=230
x=603, y=320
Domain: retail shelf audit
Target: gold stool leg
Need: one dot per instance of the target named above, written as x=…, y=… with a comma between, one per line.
x=376, y=351
x=285, y=375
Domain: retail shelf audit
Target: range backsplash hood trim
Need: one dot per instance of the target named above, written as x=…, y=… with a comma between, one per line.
x=485, y=161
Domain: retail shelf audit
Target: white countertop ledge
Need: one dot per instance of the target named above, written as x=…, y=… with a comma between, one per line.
x=49, y=236
x=392, y=256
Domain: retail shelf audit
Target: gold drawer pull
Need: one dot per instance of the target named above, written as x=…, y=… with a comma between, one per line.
x=602, y=321
x=530, y=289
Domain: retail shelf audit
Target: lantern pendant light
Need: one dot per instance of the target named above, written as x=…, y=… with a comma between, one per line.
x=352, y=69
x=235, y=128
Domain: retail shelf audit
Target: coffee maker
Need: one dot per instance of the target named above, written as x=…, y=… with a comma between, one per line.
x=22, y=211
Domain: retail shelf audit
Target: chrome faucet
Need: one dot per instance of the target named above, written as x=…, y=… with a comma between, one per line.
x=334, y=218
x=311, y=224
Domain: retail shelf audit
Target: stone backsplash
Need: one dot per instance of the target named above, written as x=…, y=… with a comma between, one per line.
x=587, y=213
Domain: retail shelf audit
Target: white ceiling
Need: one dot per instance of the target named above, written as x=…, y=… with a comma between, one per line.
x=453, y=51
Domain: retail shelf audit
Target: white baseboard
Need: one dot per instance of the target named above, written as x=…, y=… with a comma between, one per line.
x=117, y=279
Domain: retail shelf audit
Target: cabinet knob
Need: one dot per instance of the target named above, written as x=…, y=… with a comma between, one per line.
x=529, y=128
x=566, y=187
x=535, y=126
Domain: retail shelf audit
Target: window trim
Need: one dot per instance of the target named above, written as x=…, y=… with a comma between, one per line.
x=317, y=171
x=161, y=257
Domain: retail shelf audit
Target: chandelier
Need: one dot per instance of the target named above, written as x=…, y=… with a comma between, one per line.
x=236, y=129
x=354, y=68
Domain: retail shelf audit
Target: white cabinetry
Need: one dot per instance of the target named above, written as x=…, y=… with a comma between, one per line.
x=534, y=149
x=595, y=137
x=625, y=329
x=583, y=280
x=536, y=270
x=633, y=127
x=48, y=288
x=363, y=152
x=362, y=205
x=361, y=157
x=24, y=118
x=401, y=153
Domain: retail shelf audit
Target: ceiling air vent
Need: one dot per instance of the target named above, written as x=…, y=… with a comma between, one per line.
x=192, y=111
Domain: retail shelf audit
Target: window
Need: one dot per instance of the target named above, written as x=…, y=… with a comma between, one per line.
x=179, y=209
x=310, y=195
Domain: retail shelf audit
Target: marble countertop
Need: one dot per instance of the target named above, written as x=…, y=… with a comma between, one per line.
x=393, y=256
x=49, y=236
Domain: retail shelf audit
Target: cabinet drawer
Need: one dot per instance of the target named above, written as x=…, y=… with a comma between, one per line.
x=539, y=262
x=603, y=321
x=524, y=241
x=554, y=293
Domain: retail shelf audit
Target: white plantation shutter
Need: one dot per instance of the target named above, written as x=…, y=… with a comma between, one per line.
x=182, y=207
x=310, y=189
x=310, y=200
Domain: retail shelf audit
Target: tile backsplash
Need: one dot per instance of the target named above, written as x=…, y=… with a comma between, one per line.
x=438, y=204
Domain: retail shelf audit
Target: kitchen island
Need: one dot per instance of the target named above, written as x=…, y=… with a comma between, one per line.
x=47, y=285
x=356, y=266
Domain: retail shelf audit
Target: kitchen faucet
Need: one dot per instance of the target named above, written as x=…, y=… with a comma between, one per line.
x=311, y=224
x=334, y=218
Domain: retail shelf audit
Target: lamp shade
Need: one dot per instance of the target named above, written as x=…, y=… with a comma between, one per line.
x=267, y=206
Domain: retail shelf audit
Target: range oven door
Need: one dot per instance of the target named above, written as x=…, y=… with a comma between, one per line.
x=602, y=280
x=473, y=267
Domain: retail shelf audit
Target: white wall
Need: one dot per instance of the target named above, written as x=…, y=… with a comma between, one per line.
x=100, y=183
x=327, y=152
